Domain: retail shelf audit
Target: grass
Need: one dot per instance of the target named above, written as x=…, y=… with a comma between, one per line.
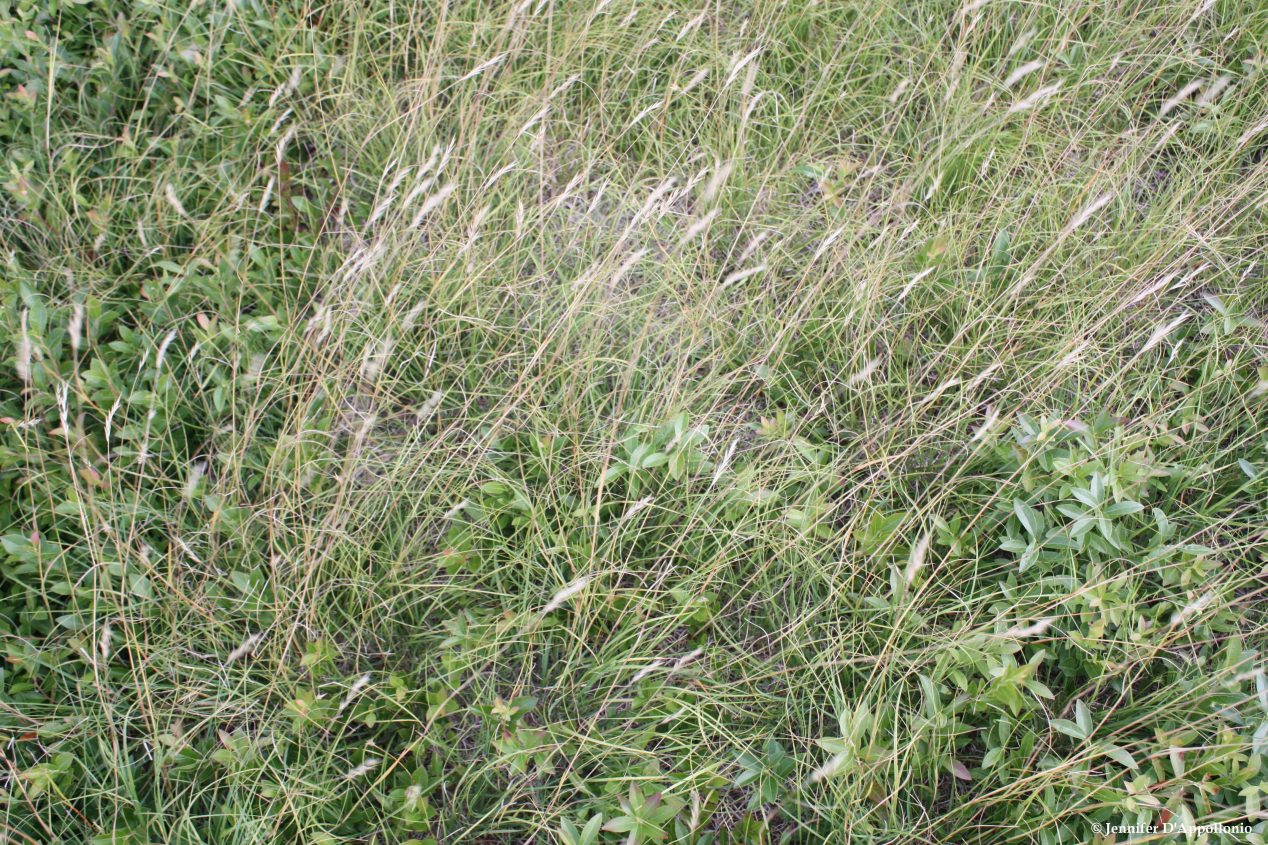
x=623, y=422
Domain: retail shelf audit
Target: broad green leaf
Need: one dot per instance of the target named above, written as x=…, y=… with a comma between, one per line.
x=1030, y=518
x=1120, y=755
x=1123, y=509
x=1068, y=728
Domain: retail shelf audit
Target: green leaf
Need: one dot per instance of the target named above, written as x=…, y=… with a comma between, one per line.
x=999, y=249
x=653, y=460
x=1123, y=509
x=140, y=586
x=1068, y=728
x=1081, y=526
x=1087, y=497
x=1120, y=755
x=1030, y=518
x=621, y=824
x=590, y=833
x=1028, y=558
x=1084, y=717
x=1072, y=511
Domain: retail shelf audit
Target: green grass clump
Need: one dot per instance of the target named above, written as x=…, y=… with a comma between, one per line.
x=624, y=423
